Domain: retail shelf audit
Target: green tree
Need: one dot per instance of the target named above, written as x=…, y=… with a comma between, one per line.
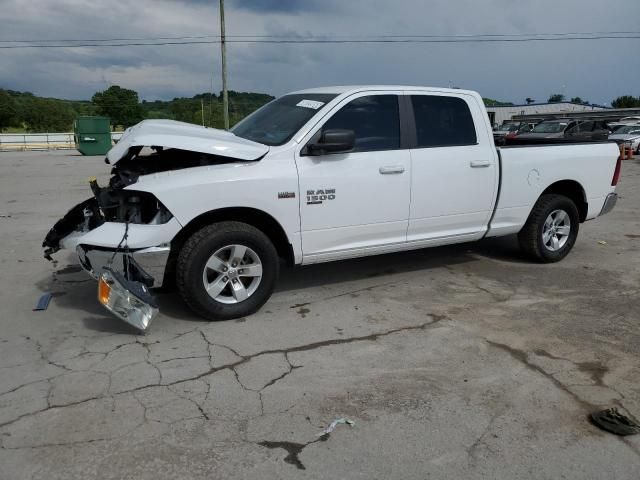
x=577, y=100
x=626, y=101
x=47, y=115
x=185, y=109
x=556, y=98
x=120, y=105
x=529, y=100
x=8, y=110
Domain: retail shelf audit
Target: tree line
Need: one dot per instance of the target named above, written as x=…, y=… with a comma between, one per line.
x=24, y=111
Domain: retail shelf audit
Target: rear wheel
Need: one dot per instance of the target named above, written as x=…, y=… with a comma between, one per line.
x=227, y=270
x=551, y=229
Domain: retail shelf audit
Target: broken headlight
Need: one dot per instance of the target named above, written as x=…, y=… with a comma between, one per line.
x=129, y=300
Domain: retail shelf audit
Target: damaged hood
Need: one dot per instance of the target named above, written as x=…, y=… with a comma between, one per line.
x=185, y=136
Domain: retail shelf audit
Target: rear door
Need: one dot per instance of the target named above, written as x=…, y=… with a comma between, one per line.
x=454, y=168
x=354, y=201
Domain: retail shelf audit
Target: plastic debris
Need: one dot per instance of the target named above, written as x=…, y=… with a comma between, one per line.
x=614, y=422
x=601, y=242
x=43, y=302
x=332, y=426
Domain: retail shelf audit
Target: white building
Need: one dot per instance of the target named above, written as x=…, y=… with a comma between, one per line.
x=498, y=115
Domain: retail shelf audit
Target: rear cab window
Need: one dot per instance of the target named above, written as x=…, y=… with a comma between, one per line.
x=443, y=121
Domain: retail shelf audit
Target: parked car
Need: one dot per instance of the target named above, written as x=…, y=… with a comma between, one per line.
x=510, y=129
x=623, y=123
x=588, y=130
x=569, y=129
x=315, y=176
x=630, y=120
x=629, y=135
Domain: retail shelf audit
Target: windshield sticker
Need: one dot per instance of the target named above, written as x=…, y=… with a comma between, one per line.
x=310, y=104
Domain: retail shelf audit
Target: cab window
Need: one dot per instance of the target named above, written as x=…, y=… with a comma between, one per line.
x=443, y=121
x=375, y=120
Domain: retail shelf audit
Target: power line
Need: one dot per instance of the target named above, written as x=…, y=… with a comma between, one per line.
x=326, y=37
x=333, y=41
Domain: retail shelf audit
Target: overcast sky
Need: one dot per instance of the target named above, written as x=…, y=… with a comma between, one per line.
x=596, y=70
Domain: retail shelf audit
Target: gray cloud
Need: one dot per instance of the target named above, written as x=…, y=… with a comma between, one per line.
x=286, y=6
x=594, y=70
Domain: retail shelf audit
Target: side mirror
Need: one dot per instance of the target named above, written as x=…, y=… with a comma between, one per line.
x=333, y=141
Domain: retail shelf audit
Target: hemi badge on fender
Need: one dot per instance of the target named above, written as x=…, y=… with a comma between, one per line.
x=286, y=194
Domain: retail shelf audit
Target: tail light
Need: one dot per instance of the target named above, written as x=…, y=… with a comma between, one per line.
x=616, y=172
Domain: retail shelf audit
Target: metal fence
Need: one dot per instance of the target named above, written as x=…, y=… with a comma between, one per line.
x=11, y=142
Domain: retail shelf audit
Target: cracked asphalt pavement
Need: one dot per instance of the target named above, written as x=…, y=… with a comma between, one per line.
x=458, y=362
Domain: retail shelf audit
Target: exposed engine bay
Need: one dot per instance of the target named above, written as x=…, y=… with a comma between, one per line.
x=139, y=162
x=112, y=203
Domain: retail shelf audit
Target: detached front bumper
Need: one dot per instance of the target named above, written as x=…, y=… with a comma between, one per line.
x=152, y=260
x=147, y=245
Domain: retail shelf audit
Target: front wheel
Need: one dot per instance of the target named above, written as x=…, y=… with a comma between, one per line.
x=551, y=229
x=227, y=270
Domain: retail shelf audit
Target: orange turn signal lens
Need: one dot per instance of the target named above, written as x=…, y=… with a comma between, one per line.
x=104, y=291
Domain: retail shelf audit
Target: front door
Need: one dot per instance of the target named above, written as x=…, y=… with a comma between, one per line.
x=356, y=201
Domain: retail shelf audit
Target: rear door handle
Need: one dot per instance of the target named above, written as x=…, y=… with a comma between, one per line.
x=391, y=170
x=480, y=164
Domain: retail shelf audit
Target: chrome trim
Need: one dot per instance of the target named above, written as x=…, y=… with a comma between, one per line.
x=609, y=203
x=152, y=260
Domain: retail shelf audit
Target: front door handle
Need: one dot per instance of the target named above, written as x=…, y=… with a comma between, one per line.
x=480, y=164
x=391, y=170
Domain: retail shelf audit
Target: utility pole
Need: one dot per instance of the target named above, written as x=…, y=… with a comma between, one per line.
x=202, y=106
x=223, y=47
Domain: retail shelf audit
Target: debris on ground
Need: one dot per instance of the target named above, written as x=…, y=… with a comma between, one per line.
x=614, y=422
x=601, y=242
x=43, y=302
x=332, y=426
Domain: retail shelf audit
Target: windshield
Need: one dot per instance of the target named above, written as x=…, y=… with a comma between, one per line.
x=276, y=122
x=550, y=127
x=628, y=130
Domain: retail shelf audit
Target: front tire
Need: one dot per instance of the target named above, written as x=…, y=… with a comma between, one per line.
x=551, y=229
x=227, y=270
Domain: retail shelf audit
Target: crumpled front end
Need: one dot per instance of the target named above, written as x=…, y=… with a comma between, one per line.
x=99, y=242
x=123, y=236
x=123, y=240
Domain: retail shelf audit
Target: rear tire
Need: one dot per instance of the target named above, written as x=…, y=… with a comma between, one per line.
x=551, y=229
x=227, y=270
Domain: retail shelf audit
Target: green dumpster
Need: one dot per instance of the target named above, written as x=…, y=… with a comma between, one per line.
x=92, y=135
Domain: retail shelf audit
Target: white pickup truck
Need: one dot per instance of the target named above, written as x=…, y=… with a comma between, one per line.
x=320, y=175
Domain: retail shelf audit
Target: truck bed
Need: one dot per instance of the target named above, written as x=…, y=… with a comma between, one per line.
x=527, y=171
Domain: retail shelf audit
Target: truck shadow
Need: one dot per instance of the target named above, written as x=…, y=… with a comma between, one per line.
x=296, y=278
x=74, y=290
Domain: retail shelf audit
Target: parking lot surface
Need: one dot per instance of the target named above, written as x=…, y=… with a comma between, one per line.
x=457, y=362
